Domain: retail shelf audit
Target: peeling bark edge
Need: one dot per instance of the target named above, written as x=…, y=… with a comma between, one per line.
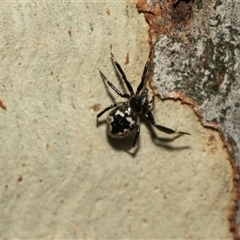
x=200, y=41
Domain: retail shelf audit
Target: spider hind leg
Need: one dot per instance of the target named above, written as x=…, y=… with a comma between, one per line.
x=150, y=118
x=137, y=132
x=106, y=109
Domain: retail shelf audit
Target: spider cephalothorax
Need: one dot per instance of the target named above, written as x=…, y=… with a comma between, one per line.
x=124, y=117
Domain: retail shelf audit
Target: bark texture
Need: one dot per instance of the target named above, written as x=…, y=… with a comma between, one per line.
x=197, y=60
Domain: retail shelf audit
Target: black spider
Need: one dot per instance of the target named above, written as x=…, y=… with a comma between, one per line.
x=124, y=118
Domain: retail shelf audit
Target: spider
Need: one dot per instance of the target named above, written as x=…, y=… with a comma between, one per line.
x=124, y=117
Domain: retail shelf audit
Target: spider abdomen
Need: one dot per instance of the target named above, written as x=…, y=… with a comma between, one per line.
x=121, y=122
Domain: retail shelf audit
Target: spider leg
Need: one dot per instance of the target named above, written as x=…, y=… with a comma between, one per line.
x=137, y=132
x=106, y=109
x=151, y=102
x=150, y=117
x=125, y=95
x=142, y=83
x=129, y=87
x=110, y=107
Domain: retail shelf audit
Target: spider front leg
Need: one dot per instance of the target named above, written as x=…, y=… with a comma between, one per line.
x=152, y=103
x=142, y=83
x=123, y=95
x=150, y=117
x=127, y=83
x=145, y=70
